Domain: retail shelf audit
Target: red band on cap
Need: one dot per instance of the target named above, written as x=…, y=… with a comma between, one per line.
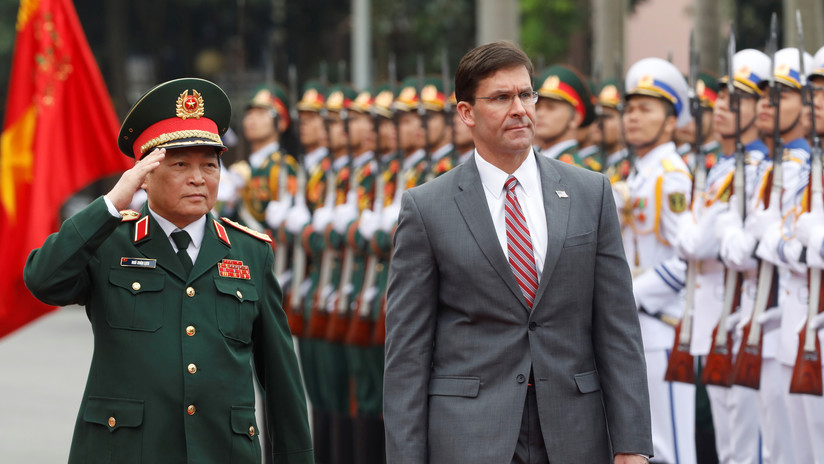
x=168, y=126
x=571, y=94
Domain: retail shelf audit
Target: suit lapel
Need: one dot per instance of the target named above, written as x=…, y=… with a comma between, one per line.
x=471, y=201
x=557, y=217
x=156, y=245
x=212, y=250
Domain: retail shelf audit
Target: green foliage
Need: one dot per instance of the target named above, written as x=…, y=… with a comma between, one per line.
x=546, y=27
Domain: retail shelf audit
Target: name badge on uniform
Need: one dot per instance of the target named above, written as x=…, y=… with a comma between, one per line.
x=234, y=269
x=138, y=262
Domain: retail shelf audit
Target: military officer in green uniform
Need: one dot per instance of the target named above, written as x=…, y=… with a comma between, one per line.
x=564, y=105
x=438, y=128
x=184, y=307
x=609, y=129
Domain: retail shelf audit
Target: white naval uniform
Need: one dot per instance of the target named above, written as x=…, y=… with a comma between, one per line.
x=650, y=225
x=806, y=412
x=735, y=421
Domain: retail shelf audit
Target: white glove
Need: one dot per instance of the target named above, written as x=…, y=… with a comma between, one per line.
x=736, y=250
x=741, y=322
x=761, y=221
x=369, y=223
x=390, y=217
x=768, y=247
x=733, y=319
x=346, y=213
x=276, y=213
x=321, y=218
x=686, y=238
x=297, y=218
x=727, y=220
x=806, y=224
x=818, y=321
x=770, y=319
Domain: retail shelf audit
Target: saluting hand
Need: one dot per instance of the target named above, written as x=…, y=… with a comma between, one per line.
x=131, y=180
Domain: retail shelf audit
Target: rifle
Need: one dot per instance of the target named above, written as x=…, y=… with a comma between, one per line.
x=747, y=370
x=293, y=306
x=806, y=376
x=681, y=366
x=718, y=369
x=339, y=319
x=379, y=332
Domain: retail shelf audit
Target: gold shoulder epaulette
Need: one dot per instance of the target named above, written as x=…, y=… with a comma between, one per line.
x=669, y=167
x=249, y=231
x=242, y=168
x=128, y=215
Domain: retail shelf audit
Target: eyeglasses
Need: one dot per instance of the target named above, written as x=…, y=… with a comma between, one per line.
x=505, y=99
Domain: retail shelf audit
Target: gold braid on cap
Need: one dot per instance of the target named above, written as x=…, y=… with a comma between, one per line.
x=178, y=135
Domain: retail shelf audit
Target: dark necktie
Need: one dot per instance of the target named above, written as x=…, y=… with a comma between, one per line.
x=182, y=240
x=519, y=244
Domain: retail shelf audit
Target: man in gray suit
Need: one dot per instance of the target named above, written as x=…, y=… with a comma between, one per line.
x=486, y=367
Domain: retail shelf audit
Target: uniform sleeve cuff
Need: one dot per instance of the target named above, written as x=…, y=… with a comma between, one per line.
x=112, y=210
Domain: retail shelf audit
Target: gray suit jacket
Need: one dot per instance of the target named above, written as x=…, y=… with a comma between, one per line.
x=460, y=339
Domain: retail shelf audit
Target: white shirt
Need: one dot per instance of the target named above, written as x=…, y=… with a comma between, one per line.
x=530, y=196
x=196, y=229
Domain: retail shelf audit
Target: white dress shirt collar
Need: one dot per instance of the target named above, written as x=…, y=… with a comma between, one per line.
x=257, y=158
x=493, y=178
x=196, y=230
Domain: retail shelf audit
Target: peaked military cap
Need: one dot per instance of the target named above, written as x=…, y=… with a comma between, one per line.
x=787, y=67
x=271, y=97
x=382, y=104
x=706, y=88
x=566, y=84
x=433, y=95
x=608, y=95
x=656, y=77
x=818, y=64
x=340, y=97
x=751, y=68
x=313, y=98
x=178, y=113
x=407, y=99
x=363, y=102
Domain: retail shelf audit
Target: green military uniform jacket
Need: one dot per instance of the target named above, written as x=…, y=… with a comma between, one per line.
x=170, y=379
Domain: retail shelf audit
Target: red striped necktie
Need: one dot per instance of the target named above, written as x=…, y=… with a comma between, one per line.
x=519, y=243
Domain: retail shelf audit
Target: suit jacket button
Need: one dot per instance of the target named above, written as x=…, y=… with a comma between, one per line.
x=533, y=325
x=190, y=292
x=521, y=378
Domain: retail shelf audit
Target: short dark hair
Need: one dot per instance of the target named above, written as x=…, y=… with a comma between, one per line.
x=483, y=61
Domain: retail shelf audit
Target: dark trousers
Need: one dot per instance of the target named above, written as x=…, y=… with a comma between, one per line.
x=531, y=448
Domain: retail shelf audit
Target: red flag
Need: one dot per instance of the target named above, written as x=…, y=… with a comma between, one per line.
x=59, y=135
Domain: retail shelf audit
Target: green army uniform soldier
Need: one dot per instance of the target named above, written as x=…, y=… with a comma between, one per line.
x=180, y=329
x=438, y=128
x=706, y=88
x=266, y=118
x=616, y=156
x=298, y=226
x=564, y=105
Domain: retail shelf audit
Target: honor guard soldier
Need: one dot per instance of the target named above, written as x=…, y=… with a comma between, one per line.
x=734, y=420
x=265, y=119
x=651, y=202
x=331, y=359
x=707, y=92
x=461, y=135
x=438, y=128
x=564, y=105
x=779, y=244
x=316, y=163
x=609, y=129
x=184, y=307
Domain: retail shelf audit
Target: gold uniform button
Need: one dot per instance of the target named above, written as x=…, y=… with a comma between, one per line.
x=136, y=286
x=190, y=291
x=251, y=430
x=191, y=410
x=379, y=267
x=239, y=295
x=190, y=330
x=112, y=422
x=192, y=368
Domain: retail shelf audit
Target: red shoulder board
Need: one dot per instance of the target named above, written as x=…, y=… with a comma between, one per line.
x=221, y=233
x=249, y=231
x=141, y=229
x=128, y=215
